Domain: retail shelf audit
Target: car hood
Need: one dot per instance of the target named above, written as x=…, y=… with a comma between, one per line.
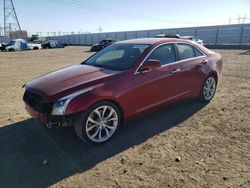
x=64, y=81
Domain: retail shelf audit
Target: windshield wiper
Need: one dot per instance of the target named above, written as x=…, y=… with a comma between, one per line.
x=97, y=65
x=94, y=65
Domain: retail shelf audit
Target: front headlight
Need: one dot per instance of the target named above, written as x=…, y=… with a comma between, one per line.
x=59, y=107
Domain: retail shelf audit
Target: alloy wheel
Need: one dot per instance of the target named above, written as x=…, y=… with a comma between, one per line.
x=209, y=88
x=101, y=123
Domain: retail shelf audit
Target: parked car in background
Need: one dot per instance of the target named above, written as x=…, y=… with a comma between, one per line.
x=193, y=38
x=122, y=81
x=3, y=46
x=17, y=45
x=35, y=45
x=102, y=44
x=37, y=41
x=52, y=44
x=167, y=35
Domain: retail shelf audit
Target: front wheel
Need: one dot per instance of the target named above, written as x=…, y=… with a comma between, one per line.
x=99, y=123
x=208, y=89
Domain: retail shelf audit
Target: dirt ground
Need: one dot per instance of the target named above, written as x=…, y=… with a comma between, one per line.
x=212, y=141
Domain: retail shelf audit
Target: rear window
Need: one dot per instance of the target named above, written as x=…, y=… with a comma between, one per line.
x=197, y=52
x=187, y=51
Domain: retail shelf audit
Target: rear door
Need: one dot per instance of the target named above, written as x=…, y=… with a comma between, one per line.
x=193, y=63
x=158, y=85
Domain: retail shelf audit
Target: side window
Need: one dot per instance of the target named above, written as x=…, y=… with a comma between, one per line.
x=198, y=53
x=165, y=54
x=185, y=51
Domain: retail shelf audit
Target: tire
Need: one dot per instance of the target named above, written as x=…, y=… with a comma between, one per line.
x=97, y=127
x=208, y=89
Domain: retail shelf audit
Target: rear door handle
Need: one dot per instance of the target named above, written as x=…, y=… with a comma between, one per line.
x=200, y=65
x=174, y=71
x=204, y=61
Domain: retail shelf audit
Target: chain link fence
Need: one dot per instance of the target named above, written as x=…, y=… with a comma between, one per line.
x=237, y=34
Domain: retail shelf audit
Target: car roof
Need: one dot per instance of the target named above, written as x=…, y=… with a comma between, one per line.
x=188, y=36
x=151, y=41
x=157, y=41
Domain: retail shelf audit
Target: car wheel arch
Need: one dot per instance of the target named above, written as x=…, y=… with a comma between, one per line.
x=113, y=102
x=214, y=74
x=82, y=118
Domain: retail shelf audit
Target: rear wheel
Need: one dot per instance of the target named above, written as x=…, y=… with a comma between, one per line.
x=99, y=123
x=208, y=89
x=11, y=50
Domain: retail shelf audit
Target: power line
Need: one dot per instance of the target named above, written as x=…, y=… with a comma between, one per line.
x=87, y=7
x=100, y=29
x=242, y=19
x=114, y=12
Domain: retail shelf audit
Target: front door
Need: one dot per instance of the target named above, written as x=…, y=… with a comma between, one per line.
x=159, y=85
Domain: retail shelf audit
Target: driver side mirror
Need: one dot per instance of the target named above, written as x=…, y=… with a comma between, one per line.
x=150, y=64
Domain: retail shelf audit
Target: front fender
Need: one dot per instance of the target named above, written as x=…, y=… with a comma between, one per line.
x=119, y=91
x=82, y=102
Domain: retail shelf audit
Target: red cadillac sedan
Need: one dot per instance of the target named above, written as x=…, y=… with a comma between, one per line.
x=123, y=81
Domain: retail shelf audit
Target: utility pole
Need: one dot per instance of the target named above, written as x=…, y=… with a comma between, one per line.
x=241, y=19
x=100, y=29
x=11, y=22
x=1, y=31
x=244, y=19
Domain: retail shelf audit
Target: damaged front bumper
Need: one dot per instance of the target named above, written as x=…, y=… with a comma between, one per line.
x=51, y=120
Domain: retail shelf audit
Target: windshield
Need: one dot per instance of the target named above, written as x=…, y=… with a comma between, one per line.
x=117, y=56
x=11, y=43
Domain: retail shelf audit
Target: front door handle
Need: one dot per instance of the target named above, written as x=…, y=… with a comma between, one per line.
x=174, y=71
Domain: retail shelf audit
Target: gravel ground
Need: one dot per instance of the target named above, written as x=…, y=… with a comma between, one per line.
x=186, y=145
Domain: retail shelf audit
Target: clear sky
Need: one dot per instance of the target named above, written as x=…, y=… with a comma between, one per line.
x=124, y=15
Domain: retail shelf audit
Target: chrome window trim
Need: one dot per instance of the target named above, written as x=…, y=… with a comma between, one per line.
x=180, y=61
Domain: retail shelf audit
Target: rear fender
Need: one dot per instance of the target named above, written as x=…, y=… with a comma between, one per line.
x=216, y=67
